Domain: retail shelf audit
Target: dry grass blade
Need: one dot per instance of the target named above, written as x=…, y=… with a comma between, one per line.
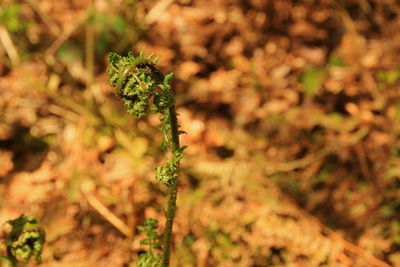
x=9, y=46
x=107, y=214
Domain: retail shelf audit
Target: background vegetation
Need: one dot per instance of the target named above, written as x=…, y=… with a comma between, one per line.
x=292, y=112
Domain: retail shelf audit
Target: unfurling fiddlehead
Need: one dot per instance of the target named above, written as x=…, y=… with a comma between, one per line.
x=137, y=81
x=25, y=240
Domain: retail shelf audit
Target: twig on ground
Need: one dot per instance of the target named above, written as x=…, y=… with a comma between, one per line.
x=107, y=214
x=53, y=27
x=8, y=45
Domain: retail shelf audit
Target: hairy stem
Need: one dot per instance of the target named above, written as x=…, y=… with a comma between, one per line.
x=10, y=256
x=173, y=189
x=10, y=263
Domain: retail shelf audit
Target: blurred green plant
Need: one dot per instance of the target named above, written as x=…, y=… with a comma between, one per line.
x=25, y=240
x=389, y=76
x=69, y=52
x=314, y=76
x=10, y=18
x=137, y=81
x=222, y=245
x=336, y=61
x=110, y=27
x=312, y=80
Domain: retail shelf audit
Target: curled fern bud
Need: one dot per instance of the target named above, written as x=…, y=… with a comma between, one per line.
x=166, y=175
x=26, y=239
x=136, y=80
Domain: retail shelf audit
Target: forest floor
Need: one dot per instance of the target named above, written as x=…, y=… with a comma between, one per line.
x=292, y=114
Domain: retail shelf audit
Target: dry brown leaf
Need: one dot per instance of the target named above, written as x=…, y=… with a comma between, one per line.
x=6, y=162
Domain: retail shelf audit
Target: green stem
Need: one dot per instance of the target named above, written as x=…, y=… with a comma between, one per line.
x=9, y=262
x=173, y=189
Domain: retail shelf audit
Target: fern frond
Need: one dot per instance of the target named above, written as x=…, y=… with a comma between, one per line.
x=150, y=259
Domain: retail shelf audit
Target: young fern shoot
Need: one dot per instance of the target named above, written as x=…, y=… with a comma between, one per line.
x=149, y=259
x=137, y=80
x=25, y=240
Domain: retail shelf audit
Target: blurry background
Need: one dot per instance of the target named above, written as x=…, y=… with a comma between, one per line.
x=292, y=112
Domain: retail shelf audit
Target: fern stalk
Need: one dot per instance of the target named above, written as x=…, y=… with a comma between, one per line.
x=137, y=80
x=173, y=190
